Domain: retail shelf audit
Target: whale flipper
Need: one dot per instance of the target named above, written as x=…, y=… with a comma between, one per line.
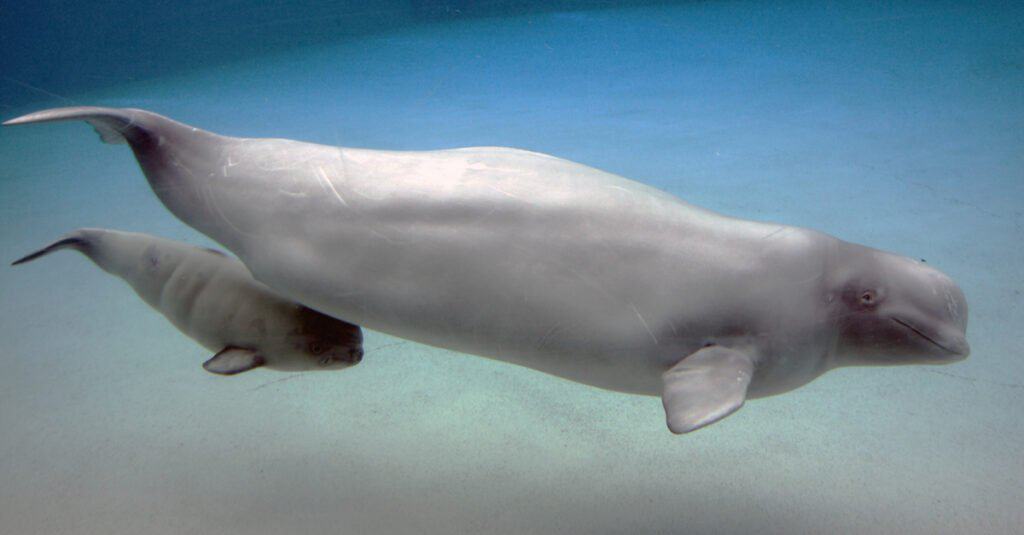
x=232, y=360
x=705, y=387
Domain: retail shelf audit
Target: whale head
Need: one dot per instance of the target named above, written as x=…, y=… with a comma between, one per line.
x=890, y=309
x=320, y=342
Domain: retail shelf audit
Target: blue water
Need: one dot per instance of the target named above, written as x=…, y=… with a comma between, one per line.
x=894, y=124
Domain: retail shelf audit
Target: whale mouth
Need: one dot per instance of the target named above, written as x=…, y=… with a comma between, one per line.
x=957, y=347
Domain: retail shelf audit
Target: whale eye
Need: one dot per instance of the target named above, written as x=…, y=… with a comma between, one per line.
x=868, y=298
x=316, y=348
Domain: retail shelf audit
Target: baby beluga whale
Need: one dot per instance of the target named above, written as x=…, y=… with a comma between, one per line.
x=546, y=263
x=211, y=298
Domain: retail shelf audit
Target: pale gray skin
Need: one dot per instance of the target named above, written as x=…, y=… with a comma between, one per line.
x=212, y=298
x=546, y=263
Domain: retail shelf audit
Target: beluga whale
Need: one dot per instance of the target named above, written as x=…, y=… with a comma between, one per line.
x=212, y=298
x=542, y=262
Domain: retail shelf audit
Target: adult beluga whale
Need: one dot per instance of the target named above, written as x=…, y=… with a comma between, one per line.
x=546, y=263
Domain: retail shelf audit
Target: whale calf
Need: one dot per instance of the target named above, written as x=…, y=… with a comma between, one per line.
x=211, y=298
x=546, y=263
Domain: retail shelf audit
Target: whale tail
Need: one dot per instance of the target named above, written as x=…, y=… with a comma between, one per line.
x=75, y=240
x=178, y=160
x=113, y=125
x=136, y=127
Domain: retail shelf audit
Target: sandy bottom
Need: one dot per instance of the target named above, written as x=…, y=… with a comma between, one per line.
x=900, y=128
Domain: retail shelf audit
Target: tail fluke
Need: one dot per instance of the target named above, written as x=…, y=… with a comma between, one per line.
x=113, y=125
x=71, y=242
x=139, y=128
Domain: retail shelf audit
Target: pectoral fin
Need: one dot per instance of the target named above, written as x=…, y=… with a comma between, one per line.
x=705, y=387
x=232, y=360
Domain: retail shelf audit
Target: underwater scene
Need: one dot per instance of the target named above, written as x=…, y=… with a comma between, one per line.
x=442, y=266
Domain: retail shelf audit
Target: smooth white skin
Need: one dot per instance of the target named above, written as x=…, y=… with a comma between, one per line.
x=512, y=255
x=211, y=298
x=531, y=259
